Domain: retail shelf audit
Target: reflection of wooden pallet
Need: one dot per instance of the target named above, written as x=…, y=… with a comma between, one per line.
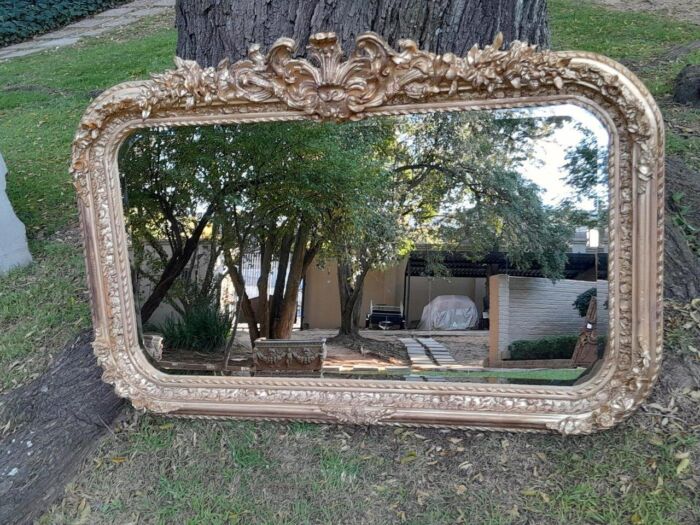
x=426, y=351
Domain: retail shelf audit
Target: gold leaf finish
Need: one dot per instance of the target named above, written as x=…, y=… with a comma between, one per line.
x=378, y=80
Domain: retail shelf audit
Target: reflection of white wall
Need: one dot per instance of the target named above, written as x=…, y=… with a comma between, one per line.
x=534, y=307
x=143, y=287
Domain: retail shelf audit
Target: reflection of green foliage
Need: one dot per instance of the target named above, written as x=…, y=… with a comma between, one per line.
x=487, y=205
x=552, y=347
x=555, y=347
x=587, y=173
x=361, y=192
x=203, y=328
x=583, y=300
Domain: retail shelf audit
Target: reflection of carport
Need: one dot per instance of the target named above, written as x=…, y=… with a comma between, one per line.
x=580, y=266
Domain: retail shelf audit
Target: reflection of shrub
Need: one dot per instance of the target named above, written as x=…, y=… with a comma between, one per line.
x=583, y=300
x=203, y=328
x=556, y=347
x=23, y=19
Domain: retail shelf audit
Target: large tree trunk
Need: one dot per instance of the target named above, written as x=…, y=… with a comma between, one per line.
x=682, y=253
x=53, y=424
x=211, y=30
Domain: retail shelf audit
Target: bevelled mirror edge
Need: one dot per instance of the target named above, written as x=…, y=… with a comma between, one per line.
x=224, y=96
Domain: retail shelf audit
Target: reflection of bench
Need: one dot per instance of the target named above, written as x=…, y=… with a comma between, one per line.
x=385, y=316
x=287, y=356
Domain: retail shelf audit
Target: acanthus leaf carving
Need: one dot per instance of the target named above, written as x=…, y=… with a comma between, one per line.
x=328, y=87
x=357, y=414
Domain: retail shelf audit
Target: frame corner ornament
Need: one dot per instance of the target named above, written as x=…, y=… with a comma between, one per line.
x=376, y=79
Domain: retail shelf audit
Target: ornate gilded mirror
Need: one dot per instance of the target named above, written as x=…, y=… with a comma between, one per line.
x=394, y=238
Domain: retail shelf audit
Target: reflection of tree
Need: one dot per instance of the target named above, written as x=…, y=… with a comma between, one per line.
x=167, y=197
x=363, y=193
x=453, y=179
x=484, y=204
x=587, y=173
x=276, y=190
x=306, y=181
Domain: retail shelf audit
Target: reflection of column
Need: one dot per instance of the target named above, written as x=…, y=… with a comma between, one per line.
x=593, y=241
x=499, y=318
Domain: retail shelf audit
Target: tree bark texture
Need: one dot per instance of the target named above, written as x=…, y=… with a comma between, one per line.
x=51, y=425
x=211, y=30
x=681, y=257
x=350, y=289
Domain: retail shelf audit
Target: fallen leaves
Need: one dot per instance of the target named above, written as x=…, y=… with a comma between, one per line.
x=532, y=492
x=682, y=466
x=410, y=456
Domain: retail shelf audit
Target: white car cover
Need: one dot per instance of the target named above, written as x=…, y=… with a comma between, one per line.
x=449, y=312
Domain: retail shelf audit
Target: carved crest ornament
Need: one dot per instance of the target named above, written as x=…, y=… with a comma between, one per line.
x=378, y=80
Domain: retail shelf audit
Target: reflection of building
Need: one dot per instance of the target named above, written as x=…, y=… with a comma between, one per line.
x=406, y=283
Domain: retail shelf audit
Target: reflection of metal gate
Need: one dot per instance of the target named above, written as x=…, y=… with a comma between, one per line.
x=251, y=269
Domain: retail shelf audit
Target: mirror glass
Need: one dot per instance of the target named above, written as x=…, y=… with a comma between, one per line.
x=447, y=246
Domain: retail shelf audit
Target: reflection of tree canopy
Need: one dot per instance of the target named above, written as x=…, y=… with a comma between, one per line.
x=587, y=173
x=362, y=193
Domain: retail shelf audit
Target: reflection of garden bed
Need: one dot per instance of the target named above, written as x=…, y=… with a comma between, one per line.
x=556, y=347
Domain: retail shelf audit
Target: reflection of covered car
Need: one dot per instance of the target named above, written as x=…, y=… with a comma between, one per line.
x=449, y=312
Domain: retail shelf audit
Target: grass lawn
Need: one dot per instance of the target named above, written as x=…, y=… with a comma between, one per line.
x=156, y=470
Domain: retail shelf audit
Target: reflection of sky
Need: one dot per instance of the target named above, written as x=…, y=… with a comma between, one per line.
x=546, y=169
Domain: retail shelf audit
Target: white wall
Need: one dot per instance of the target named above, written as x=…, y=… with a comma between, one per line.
x=532, y=308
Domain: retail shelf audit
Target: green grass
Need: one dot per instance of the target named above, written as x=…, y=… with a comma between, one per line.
x=379, y=475
x=39, y=305
x=42, y=98
x=625, y=37
x=158, y=470
x=560, y=374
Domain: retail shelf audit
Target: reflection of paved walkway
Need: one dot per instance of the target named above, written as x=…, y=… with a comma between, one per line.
x=91, y=26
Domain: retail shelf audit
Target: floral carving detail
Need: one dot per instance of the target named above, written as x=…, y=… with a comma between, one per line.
x=357, y=415
x=334, y=88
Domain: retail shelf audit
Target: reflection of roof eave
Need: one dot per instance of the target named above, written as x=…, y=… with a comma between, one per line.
x=459, y=264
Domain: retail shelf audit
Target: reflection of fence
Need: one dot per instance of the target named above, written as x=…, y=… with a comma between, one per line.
x=251, y=268
x=195, y=270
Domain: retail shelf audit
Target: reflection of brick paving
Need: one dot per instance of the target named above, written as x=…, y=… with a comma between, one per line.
x=438, y=351
x=92, y=26
x=416, y=353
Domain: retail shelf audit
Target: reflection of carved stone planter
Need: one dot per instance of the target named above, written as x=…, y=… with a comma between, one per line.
x=286, y=356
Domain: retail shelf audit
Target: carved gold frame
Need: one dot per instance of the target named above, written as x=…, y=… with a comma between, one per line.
x=378, y=80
